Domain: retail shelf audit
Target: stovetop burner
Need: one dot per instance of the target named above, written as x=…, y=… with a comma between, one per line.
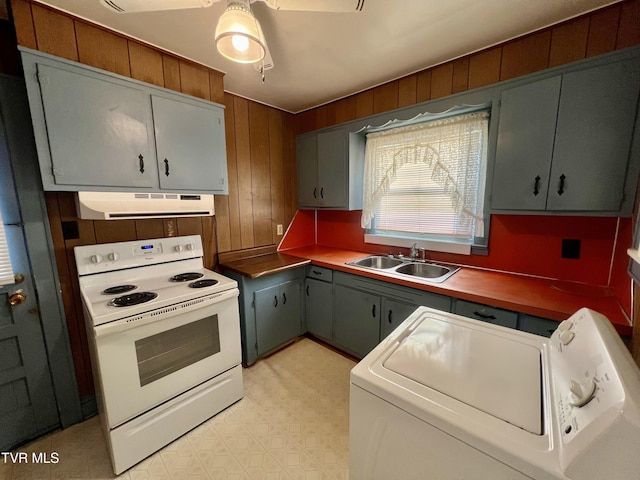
x=186, y=277
x=207, y=282
x=118, y=289
x=133, y=299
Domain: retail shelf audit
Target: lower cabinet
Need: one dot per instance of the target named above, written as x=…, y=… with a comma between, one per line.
x=319, y=308
x=394, y=313
x=271, y=311
x=537, y=325
x=357, y=320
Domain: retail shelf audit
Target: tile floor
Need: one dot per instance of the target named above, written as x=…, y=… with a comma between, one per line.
x=293, y=423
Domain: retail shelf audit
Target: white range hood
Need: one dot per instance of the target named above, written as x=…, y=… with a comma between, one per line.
x=121, y=205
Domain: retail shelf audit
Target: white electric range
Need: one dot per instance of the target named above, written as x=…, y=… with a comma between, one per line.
x=447, y=397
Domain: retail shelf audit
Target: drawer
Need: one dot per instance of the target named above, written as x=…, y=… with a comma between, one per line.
x=537, y=325
x=320, y=273
x=477, y=311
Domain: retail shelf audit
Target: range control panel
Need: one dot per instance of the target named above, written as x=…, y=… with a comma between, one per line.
x=595, y=388
x=107, y=257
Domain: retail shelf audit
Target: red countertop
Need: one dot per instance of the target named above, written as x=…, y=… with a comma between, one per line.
x=542, y=297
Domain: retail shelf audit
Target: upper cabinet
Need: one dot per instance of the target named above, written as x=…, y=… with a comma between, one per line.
x=100, y=131
x=565, y=142
x=330, y=167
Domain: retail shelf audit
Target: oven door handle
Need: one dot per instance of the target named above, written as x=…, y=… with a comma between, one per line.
x=150, y=317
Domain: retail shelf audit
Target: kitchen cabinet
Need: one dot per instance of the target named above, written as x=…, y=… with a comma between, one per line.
x=394, y=312
x=484, y=313
x=537, y=325
x=319, y=302
x=100, y=131
x=564, y=142
x=330, y=168
x=271, y=310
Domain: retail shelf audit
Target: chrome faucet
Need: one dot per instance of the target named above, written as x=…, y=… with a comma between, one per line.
x=416, y=251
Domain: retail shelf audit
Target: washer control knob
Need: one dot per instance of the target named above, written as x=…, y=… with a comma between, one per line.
x=581, y=393
x=95, y=258
x=566, y=336
x=113, y=256
x=178, y=248
x=565, y=325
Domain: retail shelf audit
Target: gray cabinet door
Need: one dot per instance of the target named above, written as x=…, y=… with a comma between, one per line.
x=357, y=320
x=277, y=315
x=332, y=169
x=99, y=132
x=319, y=308
x=393, y=314
x=190, y=145
x=595, y=125
x=524, y=150
x=307, y=162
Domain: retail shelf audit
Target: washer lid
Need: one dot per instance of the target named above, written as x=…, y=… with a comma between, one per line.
x=481, y=368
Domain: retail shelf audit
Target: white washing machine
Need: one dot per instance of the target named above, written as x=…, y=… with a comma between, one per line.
x=445, y=397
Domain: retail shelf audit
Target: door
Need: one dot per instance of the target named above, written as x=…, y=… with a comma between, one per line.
x=277, y=315
x=190, y=145
x=357, y=324
x=393, y=314
x=100, y=132
x=332, y=168
x=307, y=158
x=27, y=403
x=319, y=308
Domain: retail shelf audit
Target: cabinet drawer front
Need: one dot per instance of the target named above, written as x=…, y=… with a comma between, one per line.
x=320, y=273
x=485, y=313
x=537, y=325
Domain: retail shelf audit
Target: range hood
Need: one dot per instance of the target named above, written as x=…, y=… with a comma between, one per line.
x=121, y=205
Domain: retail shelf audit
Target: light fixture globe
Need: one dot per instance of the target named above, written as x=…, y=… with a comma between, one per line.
x=239, y=35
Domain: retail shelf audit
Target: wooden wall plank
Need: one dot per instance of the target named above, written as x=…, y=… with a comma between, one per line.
x=276, y=183
x=601, y=25
x=407, y=90
x=322, y=118
x=484, y=67
x=629, y=27
x=526, y=55
x=194, y=80
x=364, y=104
x=189, y=225
x=385, y=97
x=244, y=164
x=216, y=86
x=460, y=81
x=102, y=49
x=146, y=64
x=306, y=121
x=108, y=231
x=171, y=71
x=149, y=228
x=290, y=175
x=423, y=86
x=227, y=215
x=23, y=23
x=345, y=109
x=569, y=42
x=260, y=174
x=442, y=80
x=209, y=242
x=55, y=33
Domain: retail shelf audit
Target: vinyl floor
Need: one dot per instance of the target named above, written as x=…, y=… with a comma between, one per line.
x=293, y=423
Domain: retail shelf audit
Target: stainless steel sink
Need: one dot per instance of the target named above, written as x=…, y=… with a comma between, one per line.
x=376, y=261
x=431, y=272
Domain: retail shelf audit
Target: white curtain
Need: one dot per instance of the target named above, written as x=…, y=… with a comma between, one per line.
x=453, y=149
x=6, y=272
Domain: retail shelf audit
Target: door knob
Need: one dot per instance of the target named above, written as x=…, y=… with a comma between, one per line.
x=17, y=298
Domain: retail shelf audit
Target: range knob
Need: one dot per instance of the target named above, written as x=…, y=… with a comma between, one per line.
x=189, y=246
x=97, y=258
x=581, y=392
x=178, y=248
x=113, y=256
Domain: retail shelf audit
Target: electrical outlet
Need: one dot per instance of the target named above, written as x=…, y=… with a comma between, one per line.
x=279, y=228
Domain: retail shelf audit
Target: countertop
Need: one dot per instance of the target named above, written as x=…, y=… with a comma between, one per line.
x=543, y=297
x=254, y=267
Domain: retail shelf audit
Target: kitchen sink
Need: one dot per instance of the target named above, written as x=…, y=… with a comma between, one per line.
x=431, y=272
x=376, y=261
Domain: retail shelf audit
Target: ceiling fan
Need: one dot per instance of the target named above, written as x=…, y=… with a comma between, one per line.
x=238, y=34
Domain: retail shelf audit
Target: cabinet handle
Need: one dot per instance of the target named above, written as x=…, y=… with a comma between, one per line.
x=561, y=187
x=390, y=312
x=275, y=300
x=315, y=191
x=166, y=167
x=322, y=192
x=141, y=158
x=284, y=298
x=536, y=186
x=484, y=315
x=373, y=311
x=317, y=272
x=307, y=290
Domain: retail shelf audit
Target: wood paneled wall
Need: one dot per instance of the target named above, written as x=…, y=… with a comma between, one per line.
x=260, y=157
x=599, y=32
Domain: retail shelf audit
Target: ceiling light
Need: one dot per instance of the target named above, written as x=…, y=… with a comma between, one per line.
x=239, y=35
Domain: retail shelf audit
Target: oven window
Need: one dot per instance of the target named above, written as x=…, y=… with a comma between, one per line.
x=167, y=352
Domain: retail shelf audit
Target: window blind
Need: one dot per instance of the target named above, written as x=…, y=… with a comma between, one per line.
x=6, y=271
x=427, y=179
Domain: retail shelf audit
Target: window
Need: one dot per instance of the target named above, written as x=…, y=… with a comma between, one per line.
x=6, y=272
x=425, y=182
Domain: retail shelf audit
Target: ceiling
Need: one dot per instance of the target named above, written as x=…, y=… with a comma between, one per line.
x=320, y=57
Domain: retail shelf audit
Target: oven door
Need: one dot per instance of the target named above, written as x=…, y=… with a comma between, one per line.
x=145, y=360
